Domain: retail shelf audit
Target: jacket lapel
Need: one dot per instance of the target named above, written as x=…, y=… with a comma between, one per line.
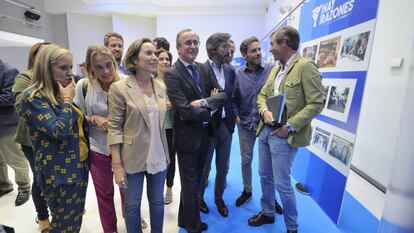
x=187, y=76
x=288, y=69
x=137, y=97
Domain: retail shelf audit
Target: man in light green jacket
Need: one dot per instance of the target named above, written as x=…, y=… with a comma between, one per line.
x=299, y=79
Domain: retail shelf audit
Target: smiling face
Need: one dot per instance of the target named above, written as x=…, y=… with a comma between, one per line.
x=116, y=46
x=164, y=62
x=103, y=68
x=188, y=46
x=61, y=70
x=146, y=60
x=254, y=54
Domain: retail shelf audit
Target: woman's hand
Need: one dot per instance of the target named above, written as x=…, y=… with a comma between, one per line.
x=120, y=176
x=100, y=121
x=67, y=93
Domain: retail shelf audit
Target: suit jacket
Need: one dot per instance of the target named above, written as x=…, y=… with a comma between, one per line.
x=182, y=90
x=8, y=116
x=229, y=75
x=128, y=122
x=54, y=133
x=302, y=85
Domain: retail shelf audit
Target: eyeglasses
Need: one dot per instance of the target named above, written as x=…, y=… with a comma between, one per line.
x=191, y=42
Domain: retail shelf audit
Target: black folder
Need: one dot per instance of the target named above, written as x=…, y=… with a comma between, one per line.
x=275, y=104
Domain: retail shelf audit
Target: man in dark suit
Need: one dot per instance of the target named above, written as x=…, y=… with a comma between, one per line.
x=194, y=95
x=218, y=50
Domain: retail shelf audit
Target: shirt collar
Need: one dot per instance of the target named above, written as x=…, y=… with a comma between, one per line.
x=245, y=68
x=283, y=66
x=186, y=64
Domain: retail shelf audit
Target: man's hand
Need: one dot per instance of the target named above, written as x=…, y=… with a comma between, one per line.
x=282, y=132
x=214, y=92
x=196, y=103
x=268, y=117
x=238, y=120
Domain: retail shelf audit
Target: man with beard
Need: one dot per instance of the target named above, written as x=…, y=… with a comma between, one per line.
x=115, y=43
x=249, y=80
x=218, y=50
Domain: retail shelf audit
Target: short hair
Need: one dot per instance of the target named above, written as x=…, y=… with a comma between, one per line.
x=214, y=41
x=177, y=40
x=42, y=81
x=162, y=43
x=246, y=42
x=33, y=52
x=112, y=34
x=132, y=54
x=161, y=50
x=94, y=50
x=289, y=34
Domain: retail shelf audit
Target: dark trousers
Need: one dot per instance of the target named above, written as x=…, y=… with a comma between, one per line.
x=37, y=196
x=172, y=151
x=221, y=144
x=191, y=167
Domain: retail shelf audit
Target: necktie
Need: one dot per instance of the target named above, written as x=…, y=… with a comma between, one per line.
x=196, y=76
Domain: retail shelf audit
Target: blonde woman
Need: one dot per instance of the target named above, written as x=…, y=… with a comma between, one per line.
x=136, y=135
x=59, y=136
x=91, y=96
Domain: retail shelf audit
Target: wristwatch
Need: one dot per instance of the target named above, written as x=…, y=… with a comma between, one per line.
x=203, y=103
x=288, y=127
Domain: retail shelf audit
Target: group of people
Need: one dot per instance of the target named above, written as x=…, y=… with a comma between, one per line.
x=129, y=118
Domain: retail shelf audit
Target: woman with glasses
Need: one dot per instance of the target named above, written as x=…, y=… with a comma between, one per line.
x=91, y=96
x=59, y=136
x=136, y=135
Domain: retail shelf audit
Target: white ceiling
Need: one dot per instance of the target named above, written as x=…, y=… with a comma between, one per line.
x=152, y=8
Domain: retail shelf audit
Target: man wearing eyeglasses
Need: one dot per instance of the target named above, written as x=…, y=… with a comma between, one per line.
x=194, y=95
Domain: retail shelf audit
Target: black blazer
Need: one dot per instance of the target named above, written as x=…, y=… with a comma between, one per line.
x=181, y=91
x=229, y=75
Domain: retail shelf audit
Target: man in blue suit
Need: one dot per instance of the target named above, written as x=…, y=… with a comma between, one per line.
x=223, y=120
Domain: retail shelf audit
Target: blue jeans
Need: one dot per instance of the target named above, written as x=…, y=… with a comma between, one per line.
x=155, y=194
x=221, y=143
x=275, y=163
x=247, y=138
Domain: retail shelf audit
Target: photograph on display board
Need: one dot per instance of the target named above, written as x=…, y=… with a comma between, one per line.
x=320, y=139
x=326, y=91
x=338, y=98
x=310, y=52
x=328, y=53
x=355, y=47
x=341, y=149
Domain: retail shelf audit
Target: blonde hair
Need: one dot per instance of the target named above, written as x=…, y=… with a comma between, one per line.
x=42, y=82
x=92, y=51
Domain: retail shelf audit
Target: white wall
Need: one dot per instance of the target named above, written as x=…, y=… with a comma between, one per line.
x=382, y=103
x=132, y=27
x=240, y=27
x=84, y=30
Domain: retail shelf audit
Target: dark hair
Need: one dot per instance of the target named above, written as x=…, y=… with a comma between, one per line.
x=132, y=54
x=289, y=34
x=112, y=34
x=214, y=42
x=246, y=42
x=33, y=52
x=161, y=50
x=162, y=43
